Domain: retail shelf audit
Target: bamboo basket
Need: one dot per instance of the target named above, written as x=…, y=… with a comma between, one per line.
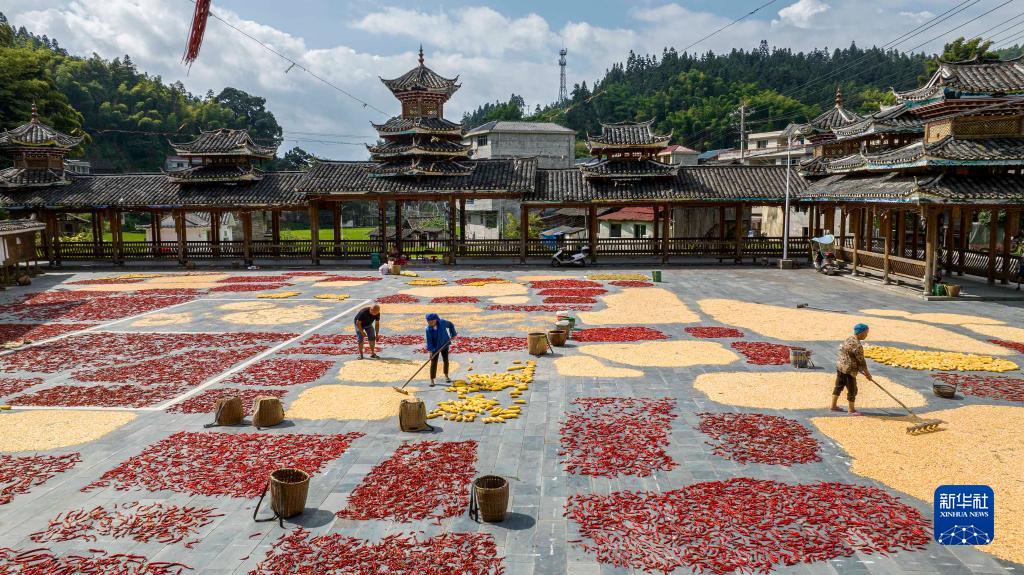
x=538, y=343
x=490, y=492
x=228, y=411
x=288, y=490
x=267, y=411
x=558, y=337
x=412, y=415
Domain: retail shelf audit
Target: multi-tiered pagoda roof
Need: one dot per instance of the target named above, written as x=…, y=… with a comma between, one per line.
x=626, y=151
x=224, y=155
x=38, y=152
x=821, y=127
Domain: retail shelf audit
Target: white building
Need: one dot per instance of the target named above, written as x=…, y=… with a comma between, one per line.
x=198, y=229
x=676, y=155
x=631, y=222
x=553, y=145
x=768, y=149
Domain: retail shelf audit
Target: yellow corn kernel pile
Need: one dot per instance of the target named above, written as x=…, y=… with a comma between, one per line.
x=937, y=360
x=638, y=277
x=469, y=407
x=334, y=296
x=427, y=282
x=278, y=295
x=409, y=274
x=486, y=282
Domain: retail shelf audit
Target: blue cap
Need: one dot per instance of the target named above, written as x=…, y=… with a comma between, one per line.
x=433, y=316
x=860, y=328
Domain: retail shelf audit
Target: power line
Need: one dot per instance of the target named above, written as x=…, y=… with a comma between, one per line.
x=294, y=64
x=730, y=24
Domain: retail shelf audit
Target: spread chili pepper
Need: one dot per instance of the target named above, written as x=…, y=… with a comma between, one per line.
x=253, y=279
x=277, y=371
x=631, y=283
x=532, y=308
x=398, y=298
x=19, y=474
x=455, y=299
x=617, y=334
x=580, y=292
x=483, y=344
x=104, y=281
x=481, y=281
x=758, y=438
x=206, y=401
x=545, y=284
x=1014, y=345
x=44, y=562
x=713, y=332
x=421, y=479
x=568, y=299
x=611, y=436
x=346, y=344
x=249, y=286
x=994, y=386
x=351, y=279
x=141, y=522
x=29, y=332
x=12, y=385
x=762, y=353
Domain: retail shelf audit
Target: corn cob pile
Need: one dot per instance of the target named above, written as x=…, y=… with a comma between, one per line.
x=470, y=407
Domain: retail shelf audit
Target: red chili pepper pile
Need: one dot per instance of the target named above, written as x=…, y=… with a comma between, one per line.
x=532, y=308
x=351, y=279
x=19, y=474
x=44, y=562
x=483, y=344
x=744, y=525
x=346, y=344
x=579, y=292
x=398, y=298
x=395, y=554
x=272, y=372
x=481, y=281
x=545, y=284
x=206, y=401
x=994, y=386
x=30, y=332
x=1016, y=346
x=714, y=332
x=455, y=299
x=12, y=385
x=304, y=274
x=192, y=368
x=568, y=299
x=631, y=283
x=231, y=464
x=612, y=436
x=245, y=287
x=254, y=279
x=758, y=438
x=761, y=353
x=153, y=522
x=617, y=334
x=94, y=306
x=100, y=396
x=104, y=281
x=422, y=479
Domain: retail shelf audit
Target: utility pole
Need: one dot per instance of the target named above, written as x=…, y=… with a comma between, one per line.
x=742, y=112
x=563, y=93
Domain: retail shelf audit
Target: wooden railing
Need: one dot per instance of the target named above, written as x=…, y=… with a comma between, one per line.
x=488, y=248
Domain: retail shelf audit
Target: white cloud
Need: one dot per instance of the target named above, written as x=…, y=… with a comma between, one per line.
x=493, y=53
x=801, y=13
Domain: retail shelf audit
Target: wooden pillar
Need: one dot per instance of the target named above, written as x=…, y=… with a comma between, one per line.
x=913, y=234
x=812, y=219
x=382, y=226
x=215, y=233
x=462, y=225
x=947, y=243
x=855, y=223
x=246, y=237
x=452, y=208
x=721, y=223
x=336, y=227
x=154, y=231
x=966, y=219
x=399, y=226
x=666, y=221
x=738, y=233
x=887, y=227
x=592, y=231
x=931, y=232
x=314, y=231
x=901, y=233
x=116, y=244
x=524, y=231
x=180, y=231
x=53, y=228
x=993, y=231
x=275, y=231
x=655, y=248
x=1009, y=227
x=842, y=228
x=97, y=231
x=830, y=219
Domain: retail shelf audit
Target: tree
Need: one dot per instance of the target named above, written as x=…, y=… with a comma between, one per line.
x=498, y=111
x=536, y=226
x=252, y=111
x=25, y=79
x=295, y=159
x=962, y=49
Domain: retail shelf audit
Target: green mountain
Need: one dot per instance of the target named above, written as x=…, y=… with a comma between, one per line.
x=127, y=115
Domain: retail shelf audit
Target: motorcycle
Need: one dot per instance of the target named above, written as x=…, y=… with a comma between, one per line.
x=563, y=257
x=825, y=261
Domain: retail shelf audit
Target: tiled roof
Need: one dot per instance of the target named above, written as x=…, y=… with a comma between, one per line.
x=897, y=188
x=835, y=117
x=813, y=166
x=155, y=190
x=627, y=169
x=421, y=125
x=632, y=213
x=627, y=134
x=522, y=127
x=676, y=148
x=13, y=226
x=37, y=134
x=419, y=166
x=951, y=150
x=18, y=177
x=353, y=178
x=426, y=148
x=891, y=120
x=423, y=79
x=696, y=183
x=215, y=174
x=972, y=77
x=224, y=142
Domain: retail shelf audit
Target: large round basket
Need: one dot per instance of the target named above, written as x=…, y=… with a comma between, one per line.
x=412, y=415
x=228, y=411
x=491, y=492
x=538, y=343
x=799, y=357
x=558, y=337
x=944, y=390
x=267, y=411
x=952, y=290
x=288, y=490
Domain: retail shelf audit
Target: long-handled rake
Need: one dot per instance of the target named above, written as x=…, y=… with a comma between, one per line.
x=923, y=425
x=413, y=376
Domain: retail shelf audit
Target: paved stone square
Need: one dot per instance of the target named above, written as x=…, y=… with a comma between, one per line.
x=535, y=537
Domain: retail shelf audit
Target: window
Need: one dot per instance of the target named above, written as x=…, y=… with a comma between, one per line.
x=492, y=219
x=762, y=144
x=639, y=231
x=615, y=230
x=481, y=140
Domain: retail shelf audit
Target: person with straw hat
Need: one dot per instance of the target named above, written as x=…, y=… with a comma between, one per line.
x=851, y=362
x=439, y=336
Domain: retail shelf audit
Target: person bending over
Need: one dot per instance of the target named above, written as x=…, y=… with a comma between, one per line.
x=368, y=326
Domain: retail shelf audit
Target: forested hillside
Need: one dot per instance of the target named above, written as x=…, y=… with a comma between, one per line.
x=127, y=115
x=696, y=95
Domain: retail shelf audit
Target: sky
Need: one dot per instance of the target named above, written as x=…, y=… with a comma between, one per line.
x=496, y=48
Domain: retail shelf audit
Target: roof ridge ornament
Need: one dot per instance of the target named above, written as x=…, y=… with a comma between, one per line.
x=35, y=114
x=421, y=54
x=839, y=96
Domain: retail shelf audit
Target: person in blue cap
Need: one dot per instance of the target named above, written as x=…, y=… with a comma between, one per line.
x=849, y=363
x=439, y=335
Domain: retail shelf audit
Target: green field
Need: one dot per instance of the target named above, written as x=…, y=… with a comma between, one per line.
x=327, y=235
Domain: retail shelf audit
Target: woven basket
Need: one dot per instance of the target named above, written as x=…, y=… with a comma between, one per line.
x=944, y=390
x=228, y=411
x=799, y=357
x=267, y=411
x=492, y=496
x=412, y=415
x=538, y=343
x=558, y=337
x=288, y=490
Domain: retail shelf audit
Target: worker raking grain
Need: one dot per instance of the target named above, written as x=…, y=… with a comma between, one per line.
x=439, y=334
x=851, y=362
